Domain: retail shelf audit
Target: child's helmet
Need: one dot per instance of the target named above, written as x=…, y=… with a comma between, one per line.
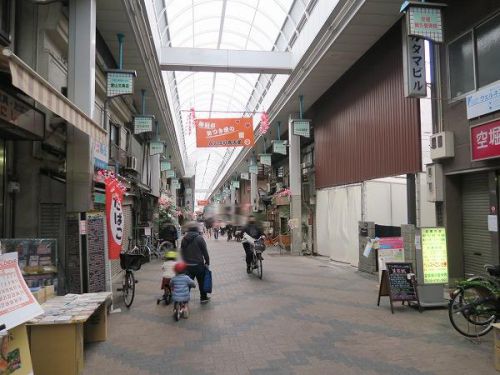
x=170, y=255
x=180, y=267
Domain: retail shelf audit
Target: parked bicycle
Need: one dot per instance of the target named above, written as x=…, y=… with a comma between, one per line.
x=162, y=246
x=475, y=303
x=130, y=260
x=258, y=248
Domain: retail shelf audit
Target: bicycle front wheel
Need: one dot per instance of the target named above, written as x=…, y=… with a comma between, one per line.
x=472, y=311
x=128, y=288
x=259, y=268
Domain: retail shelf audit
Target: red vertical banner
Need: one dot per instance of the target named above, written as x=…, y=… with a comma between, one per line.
x=114, y=217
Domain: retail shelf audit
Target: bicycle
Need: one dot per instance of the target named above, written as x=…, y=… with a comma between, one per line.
x=258, y=248
x=475, y=303
x=180, y=310
x=130, y=260
x=162, y=246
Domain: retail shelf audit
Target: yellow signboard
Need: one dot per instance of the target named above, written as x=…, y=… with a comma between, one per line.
x=434, y=255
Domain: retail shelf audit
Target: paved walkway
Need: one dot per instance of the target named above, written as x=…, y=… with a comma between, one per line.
x=306, y=316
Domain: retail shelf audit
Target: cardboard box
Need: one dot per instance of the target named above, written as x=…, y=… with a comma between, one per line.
x=496, y=335
x=39, y=295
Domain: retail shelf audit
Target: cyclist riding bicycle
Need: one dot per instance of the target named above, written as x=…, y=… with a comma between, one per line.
x=254, y=230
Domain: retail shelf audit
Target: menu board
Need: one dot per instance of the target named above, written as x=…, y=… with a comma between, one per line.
x=390, y=249
x=73, y=260
x=95, y=252
x=401, y=286
x=37, y=259
x=434, y=255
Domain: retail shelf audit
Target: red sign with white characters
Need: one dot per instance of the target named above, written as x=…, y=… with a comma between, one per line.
x=115, y=218
x=485, y=141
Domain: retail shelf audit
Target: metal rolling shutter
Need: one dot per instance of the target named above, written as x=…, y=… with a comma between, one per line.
x=475, y=209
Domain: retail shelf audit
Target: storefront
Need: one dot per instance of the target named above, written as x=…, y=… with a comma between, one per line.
x=471, y=81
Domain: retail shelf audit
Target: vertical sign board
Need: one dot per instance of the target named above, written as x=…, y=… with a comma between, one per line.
x=73, y=258
x=434, y=255
x=279, y=147
x=425, y=21
x=165, y=166
x=265, y=159
x=414, y=66
x=95, y=252
x=302, y=128
x=485, y=141
x=143, y=124
x=119, y=82
x=155, y=148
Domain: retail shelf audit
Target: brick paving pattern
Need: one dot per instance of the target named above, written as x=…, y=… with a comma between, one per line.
x=307, y=316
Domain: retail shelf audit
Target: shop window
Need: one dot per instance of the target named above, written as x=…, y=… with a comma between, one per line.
x=473, y=58
x=5, y=9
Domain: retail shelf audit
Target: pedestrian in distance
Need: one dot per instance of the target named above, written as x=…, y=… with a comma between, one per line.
x=181, y=285
x=194, y=253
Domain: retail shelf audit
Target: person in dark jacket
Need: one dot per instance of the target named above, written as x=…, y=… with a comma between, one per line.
x=194, y=253
x=254, y=230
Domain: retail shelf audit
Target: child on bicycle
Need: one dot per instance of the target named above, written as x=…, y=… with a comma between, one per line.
x=168, y=272
x=181, y=285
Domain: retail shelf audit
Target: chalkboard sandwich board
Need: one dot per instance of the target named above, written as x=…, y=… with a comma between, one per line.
x=399, y=284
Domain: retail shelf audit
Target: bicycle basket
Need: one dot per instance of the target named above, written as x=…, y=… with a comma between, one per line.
x=131, y=261
x=259, y=246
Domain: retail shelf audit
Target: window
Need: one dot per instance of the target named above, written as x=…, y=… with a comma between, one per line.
x=115, y=135
x=473, y=58
x=5, y=9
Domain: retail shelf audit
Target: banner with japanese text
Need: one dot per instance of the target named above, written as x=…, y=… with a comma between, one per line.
x=224, y=132
x=114, y=217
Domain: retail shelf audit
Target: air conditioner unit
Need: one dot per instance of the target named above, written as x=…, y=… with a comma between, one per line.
x=132, y=163
x=435, y=182
x=442, y=145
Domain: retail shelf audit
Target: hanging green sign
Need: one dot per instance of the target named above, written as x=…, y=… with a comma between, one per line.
x=245, y=176
x=165, y=165
x=253, y=169
x=175, y=184
x=155, y=148
x=265, y=159
x=302, y=128
x=143, y=124
x=236, y=184
x=170, y=174
x=434, y=255
x=120, y=82
x=279, y=147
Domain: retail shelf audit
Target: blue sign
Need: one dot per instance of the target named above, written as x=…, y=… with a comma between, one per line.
x=484, y=101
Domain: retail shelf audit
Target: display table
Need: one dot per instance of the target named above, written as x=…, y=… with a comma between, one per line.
x=57, y=336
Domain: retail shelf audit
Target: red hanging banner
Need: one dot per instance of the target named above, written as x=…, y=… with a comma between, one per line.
x=114, y=216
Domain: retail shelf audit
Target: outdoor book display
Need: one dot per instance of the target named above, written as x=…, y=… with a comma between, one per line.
x=399, y=284
x=67, y=322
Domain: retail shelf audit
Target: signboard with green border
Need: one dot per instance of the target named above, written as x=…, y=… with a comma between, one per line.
x=120, y=82
x=302, y=128
x=434, y=255
x=143, y=124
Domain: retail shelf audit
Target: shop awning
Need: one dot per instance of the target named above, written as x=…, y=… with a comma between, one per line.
x=35, y=86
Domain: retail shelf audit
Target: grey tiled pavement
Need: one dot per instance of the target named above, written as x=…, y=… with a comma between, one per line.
x=307, y=316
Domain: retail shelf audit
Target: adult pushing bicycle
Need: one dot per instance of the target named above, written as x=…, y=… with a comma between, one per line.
x=475, y=303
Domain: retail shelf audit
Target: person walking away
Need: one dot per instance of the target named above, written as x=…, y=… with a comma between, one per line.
x=181, y=285
x=254, y=230
x=194, y=253
x=216, y=233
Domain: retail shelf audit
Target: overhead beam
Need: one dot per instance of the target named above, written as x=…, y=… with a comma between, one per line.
x=222, y=60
